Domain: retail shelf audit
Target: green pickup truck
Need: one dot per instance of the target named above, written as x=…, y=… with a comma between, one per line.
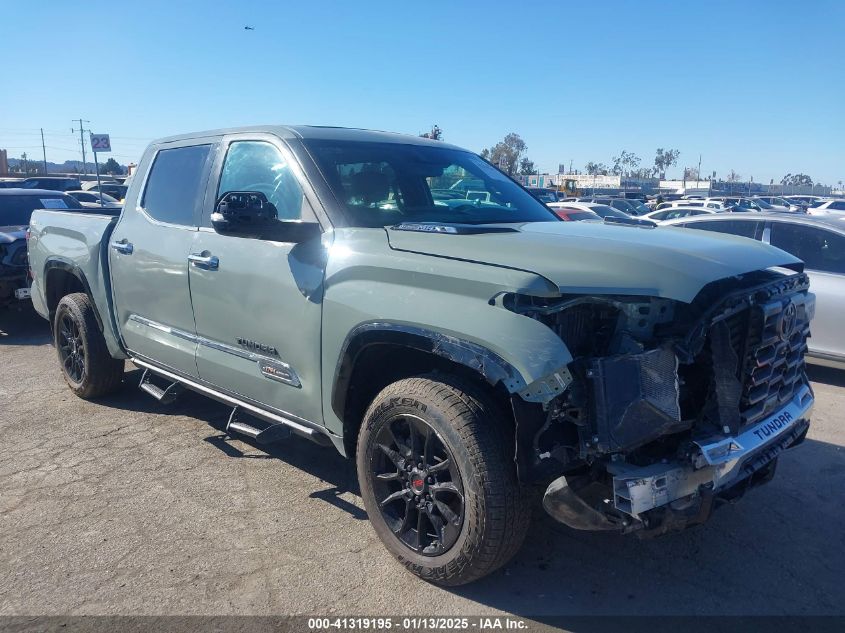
x=462, y=344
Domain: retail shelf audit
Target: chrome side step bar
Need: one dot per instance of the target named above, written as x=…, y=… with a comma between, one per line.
x=313, y=434
x=268, y=435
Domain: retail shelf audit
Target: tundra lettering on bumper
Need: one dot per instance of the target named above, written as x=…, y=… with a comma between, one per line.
x=722, y=464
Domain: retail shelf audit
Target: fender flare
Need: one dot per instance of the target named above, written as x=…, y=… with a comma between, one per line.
x=488, y=364
x=60, y=263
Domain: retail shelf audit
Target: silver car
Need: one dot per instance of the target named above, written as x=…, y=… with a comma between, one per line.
x=819, y=240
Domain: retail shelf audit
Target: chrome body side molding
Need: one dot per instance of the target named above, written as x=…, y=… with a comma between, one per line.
x=271, y=368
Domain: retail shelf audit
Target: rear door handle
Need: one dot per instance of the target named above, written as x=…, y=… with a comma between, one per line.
x=123, y=246
x=206, y=262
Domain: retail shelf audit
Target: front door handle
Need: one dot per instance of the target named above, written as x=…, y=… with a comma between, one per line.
x=123, y=246
x=204, y=261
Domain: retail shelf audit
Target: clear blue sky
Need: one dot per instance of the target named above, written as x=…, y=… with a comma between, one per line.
x=757, y=87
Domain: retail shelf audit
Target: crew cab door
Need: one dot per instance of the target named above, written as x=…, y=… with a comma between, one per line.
x=258, y=303
x=148, y=257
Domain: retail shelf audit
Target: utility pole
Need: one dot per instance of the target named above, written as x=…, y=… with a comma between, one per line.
x=82, y=141
x=44, y=150
x=698, y=174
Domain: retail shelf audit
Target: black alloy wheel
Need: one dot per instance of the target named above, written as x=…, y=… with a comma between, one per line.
x=417, y=484
x=71, y=348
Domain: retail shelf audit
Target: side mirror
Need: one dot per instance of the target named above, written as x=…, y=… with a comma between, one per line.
x=250, y=214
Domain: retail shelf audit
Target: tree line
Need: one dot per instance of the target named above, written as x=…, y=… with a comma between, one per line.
x=510, y=155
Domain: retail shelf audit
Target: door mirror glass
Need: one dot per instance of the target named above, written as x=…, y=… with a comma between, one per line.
x=251, y=214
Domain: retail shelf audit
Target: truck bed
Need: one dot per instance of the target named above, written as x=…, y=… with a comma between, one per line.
x=74, y=243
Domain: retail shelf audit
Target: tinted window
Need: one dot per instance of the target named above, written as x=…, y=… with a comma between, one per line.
x=175, y=184
x=607, y=212
x=743, y=228
x=581, y=215
x=388, y=183
x=819, y=249
x=15, y=210
x=839, y=205
x=259, y=166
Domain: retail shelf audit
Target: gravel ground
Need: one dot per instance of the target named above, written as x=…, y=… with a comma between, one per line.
x=127, y=507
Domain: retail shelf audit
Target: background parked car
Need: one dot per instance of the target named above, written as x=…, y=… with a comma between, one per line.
x=620, y=204
x=680, y=211
x=16, y=206
x=8, y=183
x=827, y=206
x=779, y=203
x=543, y=195
x=713, y=205
x=569, y=213
x=52, y=183
x=114, y=189
x=602, y=210
x=91, y=199
x=818, y=240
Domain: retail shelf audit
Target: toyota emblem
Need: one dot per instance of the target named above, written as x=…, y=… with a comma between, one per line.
x=788, y=320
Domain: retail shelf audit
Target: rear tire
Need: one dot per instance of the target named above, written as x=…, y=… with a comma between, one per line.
x=87, y=367
x=487, y=513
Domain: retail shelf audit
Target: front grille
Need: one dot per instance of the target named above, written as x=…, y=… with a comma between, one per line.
x=770, y=339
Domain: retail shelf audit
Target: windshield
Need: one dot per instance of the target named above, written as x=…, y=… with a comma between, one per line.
x=15, y=210
x=381, y=184
x=762, y=203
x=639, y=207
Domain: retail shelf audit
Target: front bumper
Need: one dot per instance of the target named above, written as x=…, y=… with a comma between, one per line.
x=717, y=467
x=14, y=287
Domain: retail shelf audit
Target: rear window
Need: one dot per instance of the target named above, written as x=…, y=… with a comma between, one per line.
x=16, y=210
x=581, y=215
x=743, y=228
x=175, y=184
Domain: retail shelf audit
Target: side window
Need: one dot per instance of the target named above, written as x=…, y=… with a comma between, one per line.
x=733, y=227
x=819, y=249
x=175, y=184
x=260, y=166
x=838, y=205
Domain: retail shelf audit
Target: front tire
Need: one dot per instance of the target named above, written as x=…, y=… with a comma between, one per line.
x=435, y=465
x=87, y=367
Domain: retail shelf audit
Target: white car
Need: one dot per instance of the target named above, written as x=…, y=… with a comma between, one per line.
x=827, y=206
x=707, y=203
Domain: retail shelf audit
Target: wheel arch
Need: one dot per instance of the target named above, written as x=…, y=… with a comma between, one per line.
x=377, y=354
x=62, y=278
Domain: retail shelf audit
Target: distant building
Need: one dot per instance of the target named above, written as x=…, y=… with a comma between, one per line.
x=4, y=163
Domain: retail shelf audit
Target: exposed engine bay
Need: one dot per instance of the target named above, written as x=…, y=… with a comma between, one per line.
x=671, y=407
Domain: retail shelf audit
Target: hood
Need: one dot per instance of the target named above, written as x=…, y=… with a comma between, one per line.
x=598, y=258
x=9, y=234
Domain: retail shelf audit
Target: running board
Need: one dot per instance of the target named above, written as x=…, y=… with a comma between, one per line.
x=315, y=434
x=166, y=395
x=267, y=435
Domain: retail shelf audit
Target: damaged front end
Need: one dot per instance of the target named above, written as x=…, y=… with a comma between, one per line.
x=668, y=408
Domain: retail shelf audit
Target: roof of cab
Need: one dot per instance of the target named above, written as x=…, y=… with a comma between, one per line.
x=315, y=132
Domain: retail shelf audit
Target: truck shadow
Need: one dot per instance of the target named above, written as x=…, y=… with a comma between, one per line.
x=321, y=462
x=22, y=325
x=781, y=550
x=827, y=375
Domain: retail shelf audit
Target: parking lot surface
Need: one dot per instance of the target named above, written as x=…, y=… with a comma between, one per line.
x=125, y=506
